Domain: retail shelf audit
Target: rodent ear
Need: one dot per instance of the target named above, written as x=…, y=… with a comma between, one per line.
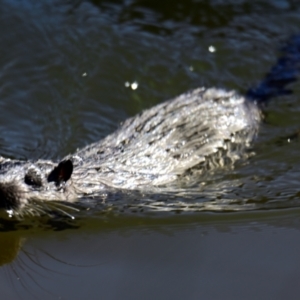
x=62, y=172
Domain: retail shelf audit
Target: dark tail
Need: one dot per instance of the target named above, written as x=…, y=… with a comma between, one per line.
x=284, y=72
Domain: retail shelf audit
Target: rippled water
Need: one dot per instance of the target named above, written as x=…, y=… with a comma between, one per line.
x=71, y=71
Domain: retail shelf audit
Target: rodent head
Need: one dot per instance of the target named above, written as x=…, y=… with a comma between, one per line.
x=24, y=182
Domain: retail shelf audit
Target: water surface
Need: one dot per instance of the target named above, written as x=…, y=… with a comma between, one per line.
x=71, y=71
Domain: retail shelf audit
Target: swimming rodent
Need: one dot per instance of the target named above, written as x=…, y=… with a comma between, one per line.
x=199, y=130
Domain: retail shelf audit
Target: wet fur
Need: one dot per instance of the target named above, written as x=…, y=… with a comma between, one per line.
x=193, y=133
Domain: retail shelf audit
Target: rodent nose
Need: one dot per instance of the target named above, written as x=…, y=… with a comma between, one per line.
x=9, y=196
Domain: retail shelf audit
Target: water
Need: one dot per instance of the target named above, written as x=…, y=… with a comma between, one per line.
x=71, y=72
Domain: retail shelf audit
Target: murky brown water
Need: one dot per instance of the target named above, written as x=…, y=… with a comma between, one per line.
x=64, y=66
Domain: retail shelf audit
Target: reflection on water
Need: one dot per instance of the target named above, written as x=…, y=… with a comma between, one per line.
x=106, y=257
x=9, y=248
x=25, y=267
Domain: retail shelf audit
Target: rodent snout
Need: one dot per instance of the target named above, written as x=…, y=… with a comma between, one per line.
x=9, y=196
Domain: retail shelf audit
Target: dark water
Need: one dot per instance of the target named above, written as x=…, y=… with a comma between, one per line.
x=71, y=71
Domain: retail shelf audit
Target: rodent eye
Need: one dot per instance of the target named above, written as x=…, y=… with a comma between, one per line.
x=33, y=177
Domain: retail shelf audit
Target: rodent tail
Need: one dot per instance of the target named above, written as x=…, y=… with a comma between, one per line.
x=281, y=74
